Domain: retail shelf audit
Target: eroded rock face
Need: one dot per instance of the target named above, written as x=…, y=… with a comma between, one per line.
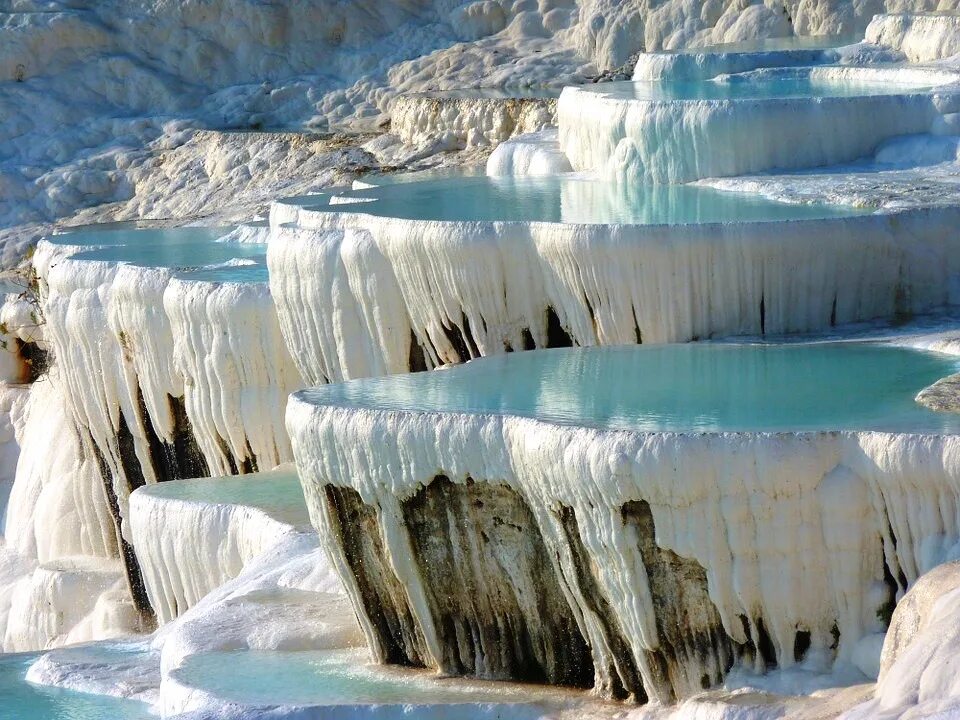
x=491, y=587
x=391, y=628
x=469, y=583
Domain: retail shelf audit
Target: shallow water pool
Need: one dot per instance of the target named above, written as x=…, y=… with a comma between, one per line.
x=277, y=493
x=21, y=700
x=344, y=677
x=680, y=388
x=570, y=199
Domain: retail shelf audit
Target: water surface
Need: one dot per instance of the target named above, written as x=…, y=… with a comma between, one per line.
x=277, y=493
x=682, y=388
x=21, y=700
x=569, y=199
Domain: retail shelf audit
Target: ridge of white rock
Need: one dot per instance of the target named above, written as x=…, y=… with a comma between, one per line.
x=190, y=376
x=916, y=676
x=649, y=138
x=921, y=37
x=62, y=575
x=536, y=153
x=191, y=538
x=360, y=295
x=469, y=119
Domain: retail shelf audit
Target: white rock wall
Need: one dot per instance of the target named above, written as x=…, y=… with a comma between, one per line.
x=351, y=288
x=639, y=140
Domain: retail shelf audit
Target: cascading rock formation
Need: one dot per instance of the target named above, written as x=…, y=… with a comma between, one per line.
x=599, y=357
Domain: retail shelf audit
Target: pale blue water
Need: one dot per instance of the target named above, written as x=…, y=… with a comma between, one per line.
x=252, y=272
x=20, y=700
x=277, y=493
x=185, y=257
x=337, y=677
x=682, y=388
x=130, y=234
x=570, y=199
x=752, y=87
x=189, y=250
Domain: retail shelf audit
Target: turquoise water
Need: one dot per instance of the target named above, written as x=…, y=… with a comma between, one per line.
x=188, y=259
x=570, y=199
x=252, y=272
x=114, y=234
x=20, y=700
x=277, y=493
x=335, y=677
x=753, y=87
x=683, y=388
x=189, y=250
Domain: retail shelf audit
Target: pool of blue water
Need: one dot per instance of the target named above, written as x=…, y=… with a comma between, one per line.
x=115, y=234
x=21, y=700
x=341, y=677
x=749, y=86
x=277, y=493
x=196, y=253
x=681, y=388
x=570, y=199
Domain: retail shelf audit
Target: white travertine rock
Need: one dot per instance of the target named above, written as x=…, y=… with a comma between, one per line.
x=921, y=37
x=530, y=154
x=358, y=294
x=676, y=141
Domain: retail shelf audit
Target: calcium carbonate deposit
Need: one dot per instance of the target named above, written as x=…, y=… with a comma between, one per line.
x=505, y=359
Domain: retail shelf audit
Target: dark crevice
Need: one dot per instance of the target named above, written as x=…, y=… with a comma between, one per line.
x=835, y=634
x=131, y=567
x=416, y=361
x=184, y=453
x=689, y=626
x=801, y=643
x=35, y=360
x=765, y=647
x=833, y=312
x=885, y=611
x=384, y=601
x=763, y=315
x=624, y=673
x=461, y=340
x=557, y=336
x=638, y=336
x=527, y=340
x=593, y=317
x=225, y=450
x=491, y=586
x=129, y=460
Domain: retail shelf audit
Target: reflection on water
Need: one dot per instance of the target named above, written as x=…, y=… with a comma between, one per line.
x=569, y=199
x=830, y=386
x=278, y=493
x=343, y=677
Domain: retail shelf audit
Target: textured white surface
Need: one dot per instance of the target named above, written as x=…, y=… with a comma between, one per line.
x=674, y=141
x=187, y=548
x=139, y=330
x=351, y=287
x=530, y=154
